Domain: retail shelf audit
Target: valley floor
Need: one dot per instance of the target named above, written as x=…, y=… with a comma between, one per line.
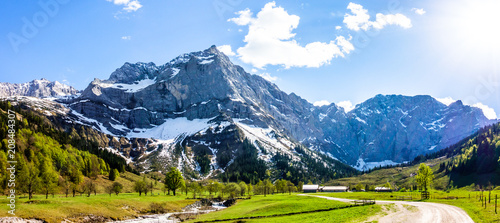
x=455, y=206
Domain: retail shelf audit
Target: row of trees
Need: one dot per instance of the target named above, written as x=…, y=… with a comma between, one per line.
x=174, y=181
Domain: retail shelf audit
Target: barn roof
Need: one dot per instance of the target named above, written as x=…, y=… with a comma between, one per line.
x=334, y=188
x=310, y=187
x=382, y=188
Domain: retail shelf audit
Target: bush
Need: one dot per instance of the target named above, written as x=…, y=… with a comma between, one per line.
x=157, y=208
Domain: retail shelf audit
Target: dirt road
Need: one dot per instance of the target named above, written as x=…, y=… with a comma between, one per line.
x=415, y=212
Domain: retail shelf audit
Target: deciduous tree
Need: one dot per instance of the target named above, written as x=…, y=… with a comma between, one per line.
x=424, y=177
x=140, y=187
x=117, y=188
x=174, y=179
x=48, y=177
x=28, y=179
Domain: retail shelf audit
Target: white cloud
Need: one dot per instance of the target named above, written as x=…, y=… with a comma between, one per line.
x=487, y=111
x=128, y=5
x=321, y=103
x=226, y=49
x=245, y=17
x=126, y=37
x=390, y=19
x=360, y=19
x=418, y=11
x=270, y=41
x=254, y=70
x=338, y=27
x=347, y=105
x=447, y=101
x=268, y=77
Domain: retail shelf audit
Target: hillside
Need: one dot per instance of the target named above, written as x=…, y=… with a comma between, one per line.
x=49, y=158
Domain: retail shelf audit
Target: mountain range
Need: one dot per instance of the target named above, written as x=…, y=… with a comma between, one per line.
x=196, y=111
x=37, y=88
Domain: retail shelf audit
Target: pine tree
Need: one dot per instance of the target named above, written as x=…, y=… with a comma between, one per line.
x=112, y=174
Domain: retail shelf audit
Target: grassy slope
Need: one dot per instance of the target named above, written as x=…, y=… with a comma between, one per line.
x=398, y=176
x=282, y=204
x=127, y=179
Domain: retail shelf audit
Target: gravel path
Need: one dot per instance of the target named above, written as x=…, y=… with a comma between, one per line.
x=424, y=212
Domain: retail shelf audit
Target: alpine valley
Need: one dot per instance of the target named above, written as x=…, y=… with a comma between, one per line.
x=208, y=117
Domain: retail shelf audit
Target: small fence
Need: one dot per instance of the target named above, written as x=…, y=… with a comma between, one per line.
x=363, y=202
x=404, y=198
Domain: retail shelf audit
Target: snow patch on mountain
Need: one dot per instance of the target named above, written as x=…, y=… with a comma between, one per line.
x=171, y=128
x=130, y=88
x=361, y=165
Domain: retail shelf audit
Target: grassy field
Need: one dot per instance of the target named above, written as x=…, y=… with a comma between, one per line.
x=285, y=204
x=123, y=206
x=471, y=205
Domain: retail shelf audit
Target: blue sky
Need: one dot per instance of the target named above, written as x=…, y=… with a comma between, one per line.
x=334, y=51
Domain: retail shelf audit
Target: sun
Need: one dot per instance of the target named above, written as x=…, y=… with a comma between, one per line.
x=471, y=28
x=481, y=24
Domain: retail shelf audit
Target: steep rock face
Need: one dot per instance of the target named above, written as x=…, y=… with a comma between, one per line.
x=199, y=102
x=37, y=88
x=144, y=100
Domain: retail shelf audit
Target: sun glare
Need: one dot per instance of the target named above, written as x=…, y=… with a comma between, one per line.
x=474, y=26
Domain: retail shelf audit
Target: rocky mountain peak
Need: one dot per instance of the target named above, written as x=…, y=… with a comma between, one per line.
x=41, y=88
x=456, y=104
x=130, y=73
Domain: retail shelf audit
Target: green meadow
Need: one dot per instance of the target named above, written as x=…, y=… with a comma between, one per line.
x=291, y=205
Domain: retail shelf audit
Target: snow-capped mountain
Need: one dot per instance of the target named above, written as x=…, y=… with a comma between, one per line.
x=393, y=129
x=37, y=88
x=202, y=105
